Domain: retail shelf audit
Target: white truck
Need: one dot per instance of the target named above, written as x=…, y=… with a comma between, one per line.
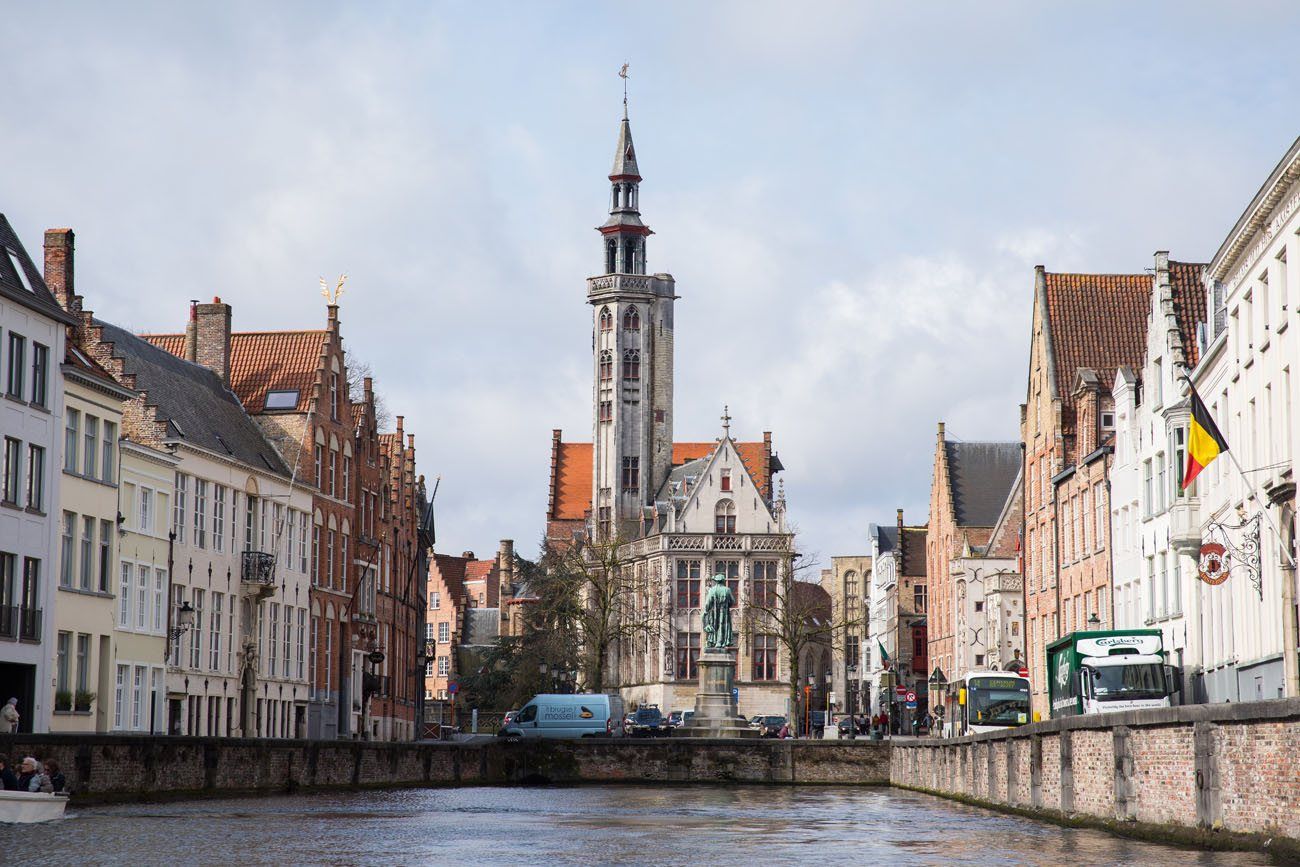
x=1108, y=670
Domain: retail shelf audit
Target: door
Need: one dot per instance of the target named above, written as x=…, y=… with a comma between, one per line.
x=19, y=681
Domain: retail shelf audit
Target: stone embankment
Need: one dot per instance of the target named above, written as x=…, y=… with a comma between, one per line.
x=114, y=768
x=1225, y=776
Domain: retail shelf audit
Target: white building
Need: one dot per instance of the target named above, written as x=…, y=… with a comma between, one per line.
x=239, y=563
x=32, y=340
x=1151, y=579
x=1245, y=626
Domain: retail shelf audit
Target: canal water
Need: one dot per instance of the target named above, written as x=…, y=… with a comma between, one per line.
x=591, y=825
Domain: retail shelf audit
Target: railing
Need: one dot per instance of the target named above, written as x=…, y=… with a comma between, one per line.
x=19, y=622
x=257, y=568
x=375, y=685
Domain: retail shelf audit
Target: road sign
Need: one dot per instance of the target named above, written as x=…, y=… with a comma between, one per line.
x=453, y=687
x=911, y=697
x=1023, y=672
x=735, y=693
x=900, y=691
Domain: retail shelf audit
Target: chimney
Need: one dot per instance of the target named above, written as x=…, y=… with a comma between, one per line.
x=400, y=436
x=468, y=555
x=332, y=313
x=59, y=245
x=940, y=431
x=211, y=325
x=506, y=556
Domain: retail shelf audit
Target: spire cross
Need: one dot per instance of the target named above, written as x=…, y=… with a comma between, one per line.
x=622, y=73
x=726, y=421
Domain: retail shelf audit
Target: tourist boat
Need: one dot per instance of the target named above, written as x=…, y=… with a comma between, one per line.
x=23, y=808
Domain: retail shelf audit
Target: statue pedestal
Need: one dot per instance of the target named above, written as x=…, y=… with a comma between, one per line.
x=715, y=709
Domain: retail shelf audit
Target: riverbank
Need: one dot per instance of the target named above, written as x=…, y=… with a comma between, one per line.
x=123, y=768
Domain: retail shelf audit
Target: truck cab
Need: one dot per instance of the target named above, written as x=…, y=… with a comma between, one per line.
x=1108, y=670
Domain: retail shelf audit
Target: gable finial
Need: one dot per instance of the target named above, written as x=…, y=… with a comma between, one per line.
x=332, y=296
x=726, y=421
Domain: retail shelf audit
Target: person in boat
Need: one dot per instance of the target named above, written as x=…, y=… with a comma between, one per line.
x=58, y=782
x=32, y=778
x=8, y=779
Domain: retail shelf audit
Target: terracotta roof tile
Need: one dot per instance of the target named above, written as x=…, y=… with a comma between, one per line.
x=1189, y=305
x=263, y=361
x=572, y=478
x=1097, y=321
x=478, y=570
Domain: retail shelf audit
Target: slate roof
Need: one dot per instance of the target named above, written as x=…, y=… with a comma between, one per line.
x=571, y=479
x=1189, y=305
x=979, y=477
x=625, y=154
x=263, y=361
x=192, y=401
x=888, y=536
x=1097, y=321
x=482, y=626
x=40, y=299
x=913, y=565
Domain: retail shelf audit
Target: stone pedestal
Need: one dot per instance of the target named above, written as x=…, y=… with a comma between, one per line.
x=715, y=709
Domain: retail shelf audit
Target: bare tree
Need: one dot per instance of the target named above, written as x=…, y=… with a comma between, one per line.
x=358, y=369
x=796, y=611
x=603, y=603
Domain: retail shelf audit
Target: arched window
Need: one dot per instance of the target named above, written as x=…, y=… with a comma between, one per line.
x=606, y=319
x=606, y=365
x=632, y=364
x=631, y=320
x=726, y=517
x=611, y=255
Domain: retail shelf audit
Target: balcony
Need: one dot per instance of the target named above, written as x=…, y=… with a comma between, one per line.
x=19, y=622
x=1185, y=526
x=376, y=685
x=257, y=573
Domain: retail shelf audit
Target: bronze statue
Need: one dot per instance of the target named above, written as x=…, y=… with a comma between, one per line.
x=718, y=630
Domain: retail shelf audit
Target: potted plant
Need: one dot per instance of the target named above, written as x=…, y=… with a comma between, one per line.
x=63, y=700
x=84, y=699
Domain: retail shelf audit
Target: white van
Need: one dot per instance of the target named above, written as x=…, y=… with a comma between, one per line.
x=567, y=716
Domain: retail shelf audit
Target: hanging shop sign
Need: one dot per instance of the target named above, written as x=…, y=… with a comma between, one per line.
x=1231, y=549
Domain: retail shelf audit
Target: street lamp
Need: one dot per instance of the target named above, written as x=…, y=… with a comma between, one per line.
x=1093, y=620
x=184, y=621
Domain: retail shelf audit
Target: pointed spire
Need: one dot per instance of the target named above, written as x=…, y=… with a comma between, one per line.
x=625, y=167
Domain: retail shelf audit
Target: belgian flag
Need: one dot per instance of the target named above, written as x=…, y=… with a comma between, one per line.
x=1204, y=442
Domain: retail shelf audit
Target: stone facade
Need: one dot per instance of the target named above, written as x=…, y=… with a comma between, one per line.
x=848, y=582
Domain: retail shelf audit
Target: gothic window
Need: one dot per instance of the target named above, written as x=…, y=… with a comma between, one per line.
x=629, y=257
x=605, y=519
x=606, y=366
x=688, y=655
x=631, y=474
x=631, y=320
x=606, y=410
x=606, y=320
x=632, y=364
x=726, y=517
x=688, y=584
x=764, y=595
x=731, y=569
x=765, y=657
x=611, y=253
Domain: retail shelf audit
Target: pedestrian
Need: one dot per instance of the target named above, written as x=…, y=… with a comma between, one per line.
x=8, y=779
x=9, y=716
x=57, y=780
x=784, y=732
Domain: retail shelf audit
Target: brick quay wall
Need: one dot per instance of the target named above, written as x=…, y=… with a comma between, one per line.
x=116, y=768
x=1223, y=776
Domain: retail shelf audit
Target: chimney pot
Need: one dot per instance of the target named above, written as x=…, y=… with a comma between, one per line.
x=468, y=555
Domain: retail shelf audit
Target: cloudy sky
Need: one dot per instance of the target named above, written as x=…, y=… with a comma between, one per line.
x=851, y=197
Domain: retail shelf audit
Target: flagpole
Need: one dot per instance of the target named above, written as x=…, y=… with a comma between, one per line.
x=1254, y=493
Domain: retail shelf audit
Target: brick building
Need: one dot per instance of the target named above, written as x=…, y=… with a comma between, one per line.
x=968, y=492
x=899, y=602
x=1084, y=327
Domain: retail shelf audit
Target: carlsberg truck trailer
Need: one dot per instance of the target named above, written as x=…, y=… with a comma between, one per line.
x=1107, y=670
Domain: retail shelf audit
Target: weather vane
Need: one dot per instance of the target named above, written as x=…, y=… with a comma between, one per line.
x=622, y=73
x=332, y=296
x=726, y=420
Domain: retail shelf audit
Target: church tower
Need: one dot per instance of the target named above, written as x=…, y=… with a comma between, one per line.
x=632, y=359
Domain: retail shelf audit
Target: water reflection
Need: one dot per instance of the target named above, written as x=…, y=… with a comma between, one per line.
x=592, y=825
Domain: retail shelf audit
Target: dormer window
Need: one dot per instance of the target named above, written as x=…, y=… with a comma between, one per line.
x=282, y=399
x=1108, y=421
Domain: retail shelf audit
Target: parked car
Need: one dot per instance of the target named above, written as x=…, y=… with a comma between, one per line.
x=756, y=721
x=770, y=726
x=648, y=722
x=591, y=715
x=509, y=717
x=817, y=721
x=679, y=718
